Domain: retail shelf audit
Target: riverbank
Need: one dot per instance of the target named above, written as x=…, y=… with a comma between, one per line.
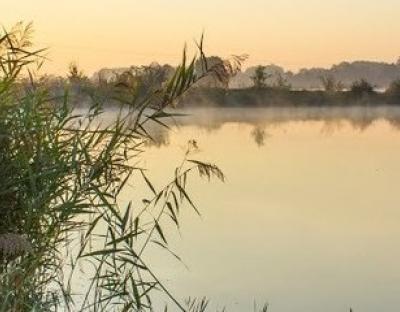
x=274, y=97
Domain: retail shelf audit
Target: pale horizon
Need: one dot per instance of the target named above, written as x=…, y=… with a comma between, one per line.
x=293, y=34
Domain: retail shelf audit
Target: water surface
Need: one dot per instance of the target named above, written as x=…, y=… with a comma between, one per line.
x=308, y=218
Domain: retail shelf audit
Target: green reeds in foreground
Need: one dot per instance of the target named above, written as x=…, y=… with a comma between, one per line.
x=60, y=179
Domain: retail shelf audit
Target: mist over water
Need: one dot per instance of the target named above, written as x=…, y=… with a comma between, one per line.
x=222, y=183
x=307, y=219
x=326, y=119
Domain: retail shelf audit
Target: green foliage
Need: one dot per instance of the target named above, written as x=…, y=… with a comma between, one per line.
x=62, y=175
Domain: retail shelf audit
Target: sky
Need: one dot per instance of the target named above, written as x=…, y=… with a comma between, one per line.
x=290, y=33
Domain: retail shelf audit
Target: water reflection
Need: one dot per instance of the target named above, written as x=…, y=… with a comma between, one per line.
x=308, y=222
x=259, y=135
x=331, y=119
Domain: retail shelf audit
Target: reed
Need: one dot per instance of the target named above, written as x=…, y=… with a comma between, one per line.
x=62, y=174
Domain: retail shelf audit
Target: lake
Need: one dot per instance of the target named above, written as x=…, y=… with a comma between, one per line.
x=307, y=220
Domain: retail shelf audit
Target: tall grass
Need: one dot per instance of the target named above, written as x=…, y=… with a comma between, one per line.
x=62, y=174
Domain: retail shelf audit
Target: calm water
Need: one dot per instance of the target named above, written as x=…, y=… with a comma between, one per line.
x=308, y=219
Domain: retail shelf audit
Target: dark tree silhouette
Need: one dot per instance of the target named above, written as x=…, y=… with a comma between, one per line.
x=361, y=87
x=260, y=77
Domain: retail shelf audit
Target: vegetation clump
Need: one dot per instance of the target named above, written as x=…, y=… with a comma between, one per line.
x=63, y=171
x=330, y=84
x=260, y=77
x=394, y=90
x=361, y=87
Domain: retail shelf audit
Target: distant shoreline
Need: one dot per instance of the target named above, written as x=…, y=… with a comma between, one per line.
x=273, y=97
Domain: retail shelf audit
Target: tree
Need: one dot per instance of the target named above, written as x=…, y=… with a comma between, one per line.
x=74, y=73
x=394, y=89
x=330, y=84
x=222, y=70
x=282, y=83
x=362, y=87
x=260, y=77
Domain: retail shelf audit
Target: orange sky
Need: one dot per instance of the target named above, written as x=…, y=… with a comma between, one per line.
x=291, y=33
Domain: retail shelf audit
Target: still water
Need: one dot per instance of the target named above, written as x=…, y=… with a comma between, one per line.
x=307, y=220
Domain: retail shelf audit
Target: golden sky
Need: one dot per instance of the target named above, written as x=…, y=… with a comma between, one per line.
x=291, y=33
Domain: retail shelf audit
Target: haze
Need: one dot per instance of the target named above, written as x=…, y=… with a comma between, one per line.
x=291, y=33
